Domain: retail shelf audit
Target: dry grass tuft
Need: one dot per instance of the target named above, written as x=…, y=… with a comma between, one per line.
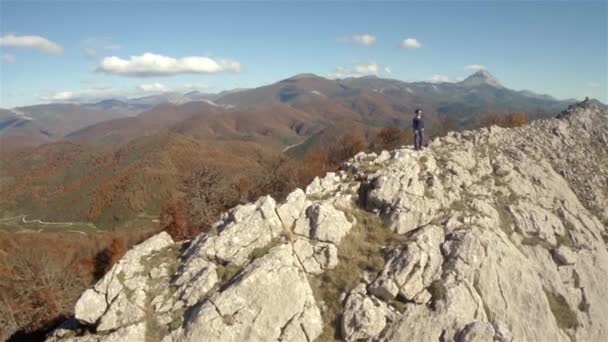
x=361, y=250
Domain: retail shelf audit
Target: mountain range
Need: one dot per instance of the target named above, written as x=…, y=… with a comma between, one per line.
x=107, y=161
x=371, y=100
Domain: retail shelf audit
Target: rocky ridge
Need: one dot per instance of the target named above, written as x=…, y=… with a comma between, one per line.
x=488, y=235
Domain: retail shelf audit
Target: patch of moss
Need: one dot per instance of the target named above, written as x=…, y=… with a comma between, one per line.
x=121, y=277
x=176, y=323
x=168, y=255
x=155, y=331
x=261, y=251
x=227, y=272
x=437, y=291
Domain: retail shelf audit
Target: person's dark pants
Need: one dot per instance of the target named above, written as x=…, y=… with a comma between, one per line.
x=418, y=138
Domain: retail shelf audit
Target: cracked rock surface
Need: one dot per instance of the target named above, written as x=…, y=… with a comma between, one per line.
x=488, y=235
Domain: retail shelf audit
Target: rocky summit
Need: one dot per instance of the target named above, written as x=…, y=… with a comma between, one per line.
x=488, y=235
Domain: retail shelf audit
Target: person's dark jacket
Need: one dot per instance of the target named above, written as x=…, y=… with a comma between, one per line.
x=418, y=124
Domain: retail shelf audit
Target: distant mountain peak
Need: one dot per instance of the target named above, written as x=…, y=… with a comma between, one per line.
x=481, y=77
x=303, y=76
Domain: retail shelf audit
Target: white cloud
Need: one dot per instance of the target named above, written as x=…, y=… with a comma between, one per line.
x=61, y=96
x=439, y=79
x=8, y=58
x=151, y=64
x=364, y=39
x=370, y=68
x=411, y=43
x=33, y=42
x=154, y=88
x=475, y=67
x=342, y=72
x=594, y=85
x=363, y=69
x=444, y=78
x=388, y=70
x=97, y=92
x=83, y=95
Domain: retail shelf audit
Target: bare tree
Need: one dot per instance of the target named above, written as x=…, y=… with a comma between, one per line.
x=207, y=193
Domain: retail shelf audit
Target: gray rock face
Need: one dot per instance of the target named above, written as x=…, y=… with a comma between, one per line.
x=242, y=230
x=90, y=306
x=409, y=273
x=488, y=235
x=268, y=299
x=477, y=331
x=118, y=299
x=315, y=257
x=325, y=223
x=364, y=316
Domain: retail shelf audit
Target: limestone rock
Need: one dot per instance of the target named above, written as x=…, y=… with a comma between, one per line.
x=364, y=316
x=293, y=207
x=242, y=230
x=269, y=295
x=323, y=186
x=565, y=255
x=121, y=290
x=501, y=332
x=323, y=222
x=414, y=269
x=315, y=257
x=477, y=331
x=90, y=306
x=197, y=277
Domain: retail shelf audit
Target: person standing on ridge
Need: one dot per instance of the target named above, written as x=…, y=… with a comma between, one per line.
x=418, y=126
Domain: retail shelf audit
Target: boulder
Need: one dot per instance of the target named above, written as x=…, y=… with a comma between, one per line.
x=364, y=316
x=241, y=231
x=122, y=289
x=415, y=268
x=478, y=331
x=323, y=222
x=316, y=257
x=269, y=296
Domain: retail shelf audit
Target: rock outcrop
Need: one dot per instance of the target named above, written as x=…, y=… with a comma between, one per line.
x=488, y=235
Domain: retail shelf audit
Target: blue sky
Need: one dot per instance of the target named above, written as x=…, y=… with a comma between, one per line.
x=54, y=51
